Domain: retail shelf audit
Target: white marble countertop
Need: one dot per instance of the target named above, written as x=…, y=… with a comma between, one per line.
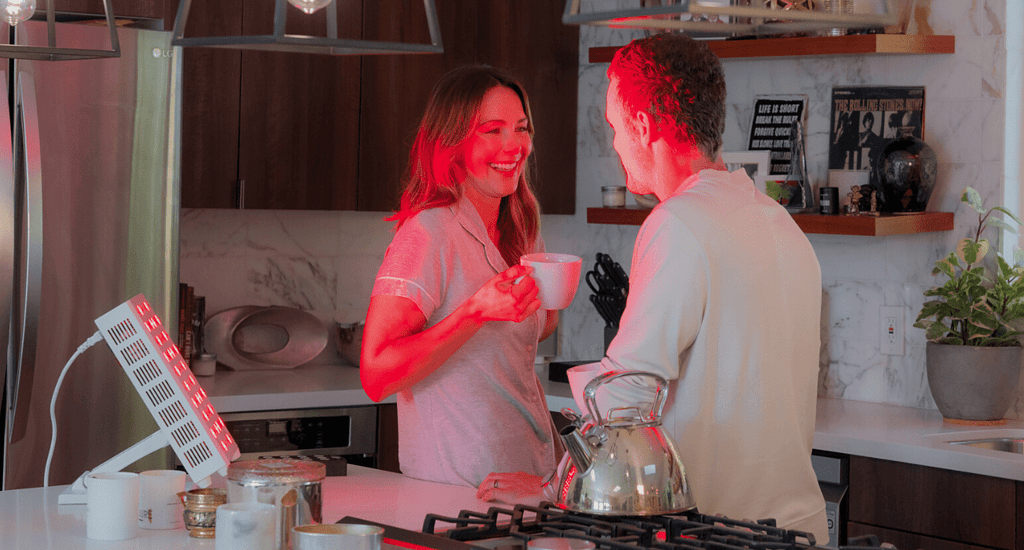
x=889, y=432
x=32, y=519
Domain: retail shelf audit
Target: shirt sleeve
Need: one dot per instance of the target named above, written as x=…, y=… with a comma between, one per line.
x=667, y=296
x=412, y=267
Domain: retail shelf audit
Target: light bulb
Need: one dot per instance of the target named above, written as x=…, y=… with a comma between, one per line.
x=307, y=6
x=16, y=11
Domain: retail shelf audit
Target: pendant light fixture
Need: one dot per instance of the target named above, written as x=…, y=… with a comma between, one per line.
x=329, y=44
x=16, y=11
x=727, y=18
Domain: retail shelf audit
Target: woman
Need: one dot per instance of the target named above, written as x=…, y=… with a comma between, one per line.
x=452, y=329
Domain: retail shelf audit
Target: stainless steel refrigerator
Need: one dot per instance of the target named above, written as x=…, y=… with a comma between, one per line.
x=89, y=197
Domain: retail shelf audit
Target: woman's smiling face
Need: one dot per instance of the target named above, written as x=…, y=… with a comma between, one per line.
x=498, y=145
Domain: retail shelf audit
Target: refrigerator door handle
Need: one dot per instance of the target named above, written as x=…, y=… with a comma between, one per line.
x=11, y=370
x=29, y=233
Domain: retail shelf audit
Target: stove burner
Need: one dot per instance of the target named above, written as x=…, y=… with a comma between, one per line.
x=499, y=528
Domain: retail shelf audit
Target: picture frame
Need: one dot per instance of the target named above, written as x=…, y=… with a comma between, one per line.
x=756, y=163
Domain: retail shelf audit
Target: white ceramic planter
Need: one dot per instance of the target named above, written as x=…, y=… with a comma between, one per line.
x=973, y=383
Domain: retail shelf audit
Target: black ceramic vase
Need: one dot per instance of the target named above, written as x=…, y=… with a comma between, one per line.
x=905, y=172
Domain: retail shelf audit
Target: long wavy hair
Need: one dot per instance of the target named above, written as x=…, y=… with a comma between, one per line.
x=436, y=171
x=680, y=82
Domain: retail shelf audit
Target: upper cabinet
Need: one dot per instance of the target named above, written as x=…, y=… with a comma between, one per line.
x=306, y=131
x=136, y=9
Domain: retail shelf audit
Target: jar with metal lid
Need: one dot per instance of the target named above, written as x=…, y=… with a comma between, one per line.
x=292, y=486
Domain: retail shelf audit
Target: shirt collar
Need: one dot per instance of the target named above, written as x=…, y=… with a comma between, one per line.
x=471, y=221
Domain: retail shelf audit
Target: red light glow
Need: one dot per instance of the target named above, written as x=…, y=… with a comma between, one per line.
x=170, y=353
x=208, y=413
x=189, y=382
x=180, y=368
x=152, y=324
x=197, y=400
x=224, y=445
x=143, y=308
x=162, y=338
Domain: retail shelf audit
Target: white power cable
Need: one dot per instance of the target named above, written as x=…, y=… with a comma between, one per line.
x=89, y=342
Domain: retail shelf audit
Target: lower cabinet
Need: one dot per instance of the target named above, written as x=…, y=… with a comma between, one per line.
x=916, y=507
x=387, y=437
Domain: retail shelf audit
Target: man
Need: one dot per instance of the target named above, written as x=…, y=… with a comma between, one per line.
x=725, y=294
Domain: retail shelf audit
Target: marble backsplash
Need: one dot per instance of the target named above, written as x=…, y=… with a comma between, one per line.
x=325, y=262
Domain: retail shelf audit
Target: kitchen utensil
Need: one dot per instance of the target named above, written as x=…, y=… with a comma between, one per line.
x=246, y=526
x=292, y=486
x=159, y=505
x=112, y=509
x=200, y=513
x=263, y=338
x=600, y=284
x=337, y=536
x=602, y=310
x=557, y=277
x=612, y=272
x=624, y=463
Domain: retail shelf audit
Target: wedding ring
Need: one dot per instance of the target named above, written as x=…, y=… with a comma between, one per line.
x=495, y=483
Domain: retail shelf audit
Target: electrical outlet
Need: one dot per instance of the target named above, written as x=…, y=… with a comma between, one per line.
x=892, y=330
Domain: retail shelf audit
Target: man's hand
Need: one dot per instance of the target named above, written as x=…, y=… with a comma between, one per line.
x=511, y=488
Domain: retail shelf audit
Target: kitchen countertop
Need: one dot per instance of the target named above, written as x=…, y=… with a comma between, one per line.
x=32, y=519
x=888, y=432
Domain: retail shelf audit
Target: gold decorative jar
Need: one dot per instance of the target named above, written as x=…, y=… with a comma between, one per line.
x=200, y=513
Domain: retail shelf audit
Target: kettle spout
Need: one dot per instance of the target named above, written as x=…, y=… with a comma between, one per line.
x=577, y=447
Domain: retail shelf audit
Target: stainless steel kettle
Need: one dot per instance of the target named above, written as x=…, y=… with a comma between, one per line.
x=621, y=464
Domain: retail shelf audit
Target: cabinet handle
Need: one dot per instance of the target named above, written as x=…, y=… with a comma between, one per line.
x=240, y=195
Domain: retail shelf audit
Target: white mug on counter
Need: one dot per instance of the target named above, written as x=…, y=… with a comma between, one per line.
x=159, y=505
x=246, y=526
x=112, y=505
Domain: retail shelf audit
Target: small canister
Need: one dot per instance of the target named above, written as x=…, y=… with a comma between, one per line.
x=292, y=486
x=828, y=201
x=613, y=195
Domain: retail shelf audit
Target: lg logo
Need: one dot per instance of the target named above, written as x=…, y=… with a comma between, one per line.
x=158, y=53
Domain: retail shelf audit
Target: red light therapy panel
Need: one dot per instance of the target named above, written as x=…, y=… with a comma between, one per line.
x=161, y=376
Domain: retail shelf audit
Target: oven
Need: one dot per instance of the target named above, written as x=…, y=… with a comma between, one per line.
x=334, y=436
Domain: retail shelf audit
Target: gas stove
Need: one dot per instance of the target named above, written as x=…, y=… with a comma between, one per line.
x=511, y=529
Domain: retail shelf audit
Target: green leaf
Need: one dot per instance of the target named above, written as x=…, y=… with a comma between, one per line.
x=1008, y=213
x=973, y=199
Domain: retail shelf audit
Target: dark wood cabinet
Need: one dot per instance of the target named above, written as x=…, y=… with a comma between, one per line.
x=915, y=506
x=268, y=129
x=387, y=437
x=136, y=9
x=525, y=38
x=318, y=132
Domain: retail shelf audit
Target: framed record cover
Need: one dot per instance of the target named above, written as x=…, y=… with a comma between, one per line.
x=865, y=118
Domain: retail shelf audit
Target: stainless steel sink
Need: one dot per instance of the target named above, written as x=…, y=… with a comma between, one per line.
x=1004, y=444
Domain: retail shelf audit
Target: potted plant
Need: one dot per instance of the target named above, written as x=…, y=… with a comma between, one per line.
x=974, y=350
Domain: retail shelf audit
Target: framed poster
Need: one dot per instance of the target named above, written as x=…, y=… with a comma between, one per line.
x=754, y=162
x=865, y=118
x=771, y=125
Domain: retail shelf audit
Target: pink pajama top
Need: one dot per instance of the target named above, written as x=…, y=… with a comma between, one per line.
x=483, y=410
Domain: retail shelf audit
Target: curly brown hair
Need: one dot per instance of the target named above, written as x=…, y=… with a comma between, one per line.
x=680, y=82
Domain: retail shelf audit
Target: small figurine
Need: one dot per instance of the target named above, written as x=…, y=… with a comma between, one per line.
x=855, y=196
x=874, y=203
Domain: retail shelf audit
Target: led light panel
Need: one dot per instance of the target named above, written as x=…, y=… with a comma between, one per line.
x=161, y=376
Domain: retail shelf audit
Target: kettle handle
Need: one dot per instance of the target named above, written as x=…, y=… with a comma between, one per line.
x=590, y=394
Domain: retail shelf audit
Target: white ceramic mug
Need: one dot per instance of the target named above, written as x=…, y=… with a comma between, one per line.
x=557, y=277
x=159, y=505
x=112, y=505
x=337, y=536
x=246, y=526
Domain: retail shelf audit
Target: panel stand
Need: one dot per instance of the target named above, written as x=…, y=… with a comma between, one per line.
x=77, y=492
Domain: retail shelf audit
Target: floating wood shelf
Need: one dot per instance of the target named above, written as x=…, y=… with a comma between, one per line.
x=854, y=44
x=872, y=226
